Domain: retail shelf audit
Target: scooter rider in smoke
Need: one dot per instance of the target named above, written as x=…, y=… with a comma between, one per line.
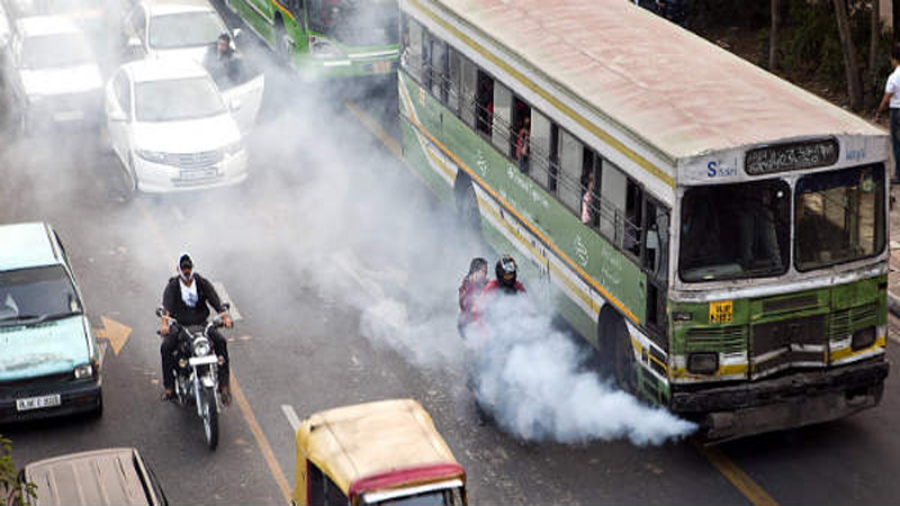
x=222, y=63
x=472, y=286
x=506, y=282
x=185, y=298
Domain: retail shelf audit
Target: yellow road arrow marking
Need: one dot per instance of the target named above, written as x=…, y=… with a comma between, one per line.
x=116, y=333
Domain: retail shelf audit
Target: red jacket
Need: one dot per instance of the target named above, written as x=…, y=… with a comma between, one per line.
x=488, y=293
x=469, y=291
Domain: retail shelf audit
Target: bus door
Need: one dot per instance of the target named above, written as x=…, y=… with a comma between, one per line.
x=655, y=263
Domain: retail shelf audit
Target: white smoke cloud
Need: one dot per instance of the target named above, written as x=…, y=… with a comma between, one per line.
x=529, y=376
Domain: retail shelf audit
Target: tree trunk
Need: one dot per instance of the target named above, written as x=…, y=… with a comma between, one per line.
x=874, y=39
x=773, y=36
x=895, y=20
x=854, y=80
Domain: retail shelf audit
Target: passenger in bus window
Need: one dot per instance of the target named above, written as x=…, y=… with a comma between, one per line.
x=587, y=202
x=522, y=145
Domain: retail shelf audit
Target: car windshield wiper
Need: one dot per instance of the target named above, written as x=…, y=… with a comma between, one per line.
x=60, y=316
x=21, y=318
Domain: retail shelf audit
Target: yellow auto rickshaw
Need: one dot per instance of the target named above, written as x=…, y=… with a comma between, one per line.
x=385, y=452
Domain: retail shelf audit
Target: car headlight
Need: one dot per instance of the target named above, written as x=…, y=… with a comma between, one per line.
x=233, y=148
x=323, y=49
x=863, y=339
x=201, y=347
x=84, y=371
x=703, y=362
x=151, y=156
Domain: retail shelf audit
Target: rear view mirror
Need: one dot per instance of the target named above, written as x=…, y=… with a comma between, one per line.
x=160, y=312
x=227, y=306
x=237, y=33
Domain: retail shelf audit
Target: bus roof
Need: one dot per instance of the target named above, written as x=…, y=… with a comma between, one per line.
x=670, y=88
x=377, y=445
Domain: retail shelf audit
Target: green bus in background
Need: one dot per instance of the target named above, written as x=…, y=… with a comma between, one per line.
x=718, y=234
x=324, y=39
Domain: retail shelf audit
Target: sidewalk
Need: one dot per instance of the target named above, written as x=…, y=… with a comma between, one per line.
x=894, y=276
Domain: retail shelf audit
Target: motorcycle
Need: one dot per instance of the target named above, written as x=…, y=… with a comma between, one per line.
x=196, y=372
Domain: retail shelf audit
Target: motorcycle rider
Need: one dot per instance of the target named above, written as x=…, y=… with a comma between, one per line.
x=506, y=282
x=185, y=298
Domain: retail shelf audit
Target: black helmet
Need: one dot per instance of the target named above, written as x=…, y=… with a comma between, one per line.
x=506, y=271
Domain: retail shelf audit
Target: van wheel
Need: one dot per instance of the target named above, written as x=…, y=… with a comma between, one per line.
x=97, y=413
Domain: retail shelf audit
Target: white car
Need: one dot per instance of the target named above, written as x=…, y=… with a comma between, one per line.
x=52, y=74
x=172, y=129
x=172, y=29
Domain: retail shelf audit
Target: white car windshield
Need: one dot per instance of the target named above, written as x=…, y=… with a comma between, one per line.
x=177, y=100
x=55, y=51
x=186, y=29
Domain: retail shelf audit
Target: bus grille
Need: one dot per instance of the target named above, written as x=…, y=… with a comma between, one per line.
x=728, y=339
x=846, y=321
x=782, y=344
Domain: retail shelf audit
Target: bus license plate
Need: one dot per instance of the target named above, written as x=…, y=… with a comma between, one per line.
x=720, y=312
x=44, y=401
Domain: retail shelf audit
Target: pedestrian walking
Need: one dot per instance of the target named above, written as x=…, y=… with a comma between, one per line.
x=891, y=100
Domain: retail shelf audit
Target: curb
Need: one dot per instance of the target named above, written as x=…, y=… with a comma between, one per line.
x=894, y=304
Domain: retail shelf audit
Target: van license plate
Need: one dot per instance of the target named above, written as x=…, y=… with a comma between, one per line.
x=44, y=401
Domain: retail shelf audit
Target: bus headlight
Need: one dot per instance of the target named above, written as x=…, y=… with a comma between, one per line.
x=862, y=339
x=703, y=362
x=84, y=371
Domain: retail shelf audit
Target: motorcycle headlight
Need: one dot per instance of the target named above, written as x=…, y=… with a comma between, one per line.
x=233, y=148
x=151, y=156
x=323, y=49
x=84, y=371
x=201, y=347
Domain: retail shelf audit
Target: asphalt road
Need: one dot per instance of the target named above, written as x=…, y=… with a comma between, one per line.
x=329, y=226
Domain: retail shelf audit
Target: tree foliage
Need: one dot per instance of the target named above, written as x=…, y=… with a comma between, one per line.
x=10, y=491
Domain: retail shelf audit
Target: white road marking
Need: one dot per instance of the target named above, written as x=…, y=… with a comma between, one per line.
x=291, y=415
x=103, y=346
x=223, y=294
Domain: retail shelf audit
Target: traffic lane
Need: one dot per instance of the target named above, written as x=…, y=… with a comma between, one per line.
x=849, y=461
x=122, y=276
x=305, y=348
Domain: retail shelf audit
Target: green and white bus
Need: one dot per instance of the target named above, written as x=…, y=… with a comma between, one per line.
x=718, y=234
x=325, y=39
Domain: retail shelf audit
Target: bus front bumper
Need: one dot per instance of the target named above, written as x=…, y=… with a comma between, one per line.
x=782, y=403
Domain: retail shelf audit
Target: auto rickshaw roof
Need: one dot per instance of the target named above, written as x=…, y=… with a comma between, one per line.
x=377, y=445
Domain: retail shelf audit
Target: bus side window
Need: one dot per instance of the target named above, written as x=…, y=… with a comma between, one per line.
x=438, y=69
x=452, y=84
x=501, y=128
x=613, y=185
x=633, y=214
x=468, y=84
x=540, y=148
x=571, y=153
x=484, y=100
x=413, y=50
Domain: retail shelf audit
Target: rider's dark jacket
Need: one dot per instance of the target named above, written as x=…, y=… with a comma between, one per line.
x=186, y=315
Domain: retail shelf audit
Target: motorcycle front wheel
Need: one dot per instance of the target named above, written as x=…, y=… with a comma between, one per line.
x=210, y=417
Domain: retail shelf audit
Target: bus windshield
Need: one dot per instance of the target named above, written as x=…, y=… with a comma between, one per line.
x=735, y=231
x=355, y=22
x=840, y=217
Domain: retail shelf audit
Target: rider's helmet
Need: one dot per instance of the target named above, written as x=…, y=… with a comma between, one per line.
x=506, y=271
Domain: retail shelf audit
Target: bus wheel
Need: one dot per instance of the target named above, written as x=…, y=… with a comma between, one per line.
x=467, y=203
x=617, y=351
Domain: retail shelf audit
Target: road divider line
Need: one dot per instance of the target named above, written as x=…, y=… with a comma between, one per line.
x=292, y=417
x=734, y=474
x=741, y=480
x=261, y=441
